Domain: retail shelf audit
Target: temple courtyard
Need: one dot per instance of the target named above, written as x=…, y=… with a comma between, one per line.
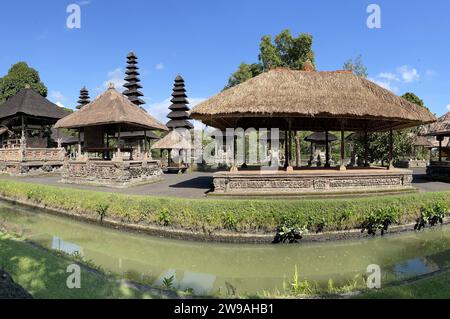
x=197, y=184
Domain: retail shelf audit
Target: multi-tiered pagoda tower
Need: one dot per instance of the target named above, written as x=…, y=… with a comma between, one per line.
x=132, y=86
x=179, y=116
x=84, y=98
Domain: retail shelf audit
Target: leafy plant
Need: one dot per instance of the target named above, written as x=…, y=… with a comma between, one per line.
x=164, y=217
x=380, y=220
x=290, y=234
x=230, y=221
x=168, y=282
x=431, y=215
x=304, y=287
x=102, y=210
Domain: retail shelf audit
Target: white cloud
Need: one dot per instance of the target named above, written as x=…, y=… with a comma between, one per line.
x=115, y=77
x=385, y=83
x=388, y=76
x=448, y=107
x=408, y=74
x=60, y=104
x=159, y=110
x=159, y=66
x=391, y=80
x=57, y=96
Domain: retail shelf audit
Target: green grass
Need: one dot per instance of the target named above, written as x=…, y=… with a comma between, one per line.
x=43, y=274
x=238, y=215
x=434, y=287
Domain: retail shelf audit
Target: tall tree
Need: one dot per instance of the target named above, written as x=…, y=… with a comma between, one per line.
x=20, y=76
x=284, y=51
x=411, y=97
x=356, y=66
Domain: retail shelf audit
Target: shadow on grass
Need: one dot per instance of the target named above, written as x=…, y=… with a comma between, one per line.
x=44, y=274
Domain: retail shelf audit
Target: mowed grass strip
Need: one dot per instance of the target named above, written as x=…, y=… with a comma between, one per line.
x=237, y=215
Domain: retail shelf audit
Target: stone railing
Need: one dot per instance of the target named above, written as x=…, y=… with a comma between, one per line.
x=111, y=173
x=445, y=163
x=32, y=154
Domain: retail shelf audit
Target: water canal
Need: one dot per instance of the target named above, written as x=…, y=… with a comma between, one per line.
x=210, y=267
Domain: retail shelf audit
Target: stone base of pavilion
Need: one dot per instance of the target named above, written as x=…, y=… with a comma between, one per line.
x=119, y=174
x=412, y=163
x=31, y=161
x=313, y=181
x=439, y=170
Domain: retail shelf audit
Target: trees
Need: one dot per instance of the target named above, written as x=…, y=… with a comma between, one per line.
x=285, y=51
x=356, y=66
x=20, y=76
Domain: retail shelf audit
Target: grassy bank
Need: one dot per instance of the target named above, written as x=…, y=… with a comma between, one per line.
x=210, y=215
x=43, y=274
x=435, y=287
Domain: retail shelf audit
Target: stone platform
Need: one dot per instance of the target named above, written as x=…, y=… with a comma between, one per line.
x=312, y=181
x=119, y=174
x=31, y=161
x=412, y=164
x=439, y=170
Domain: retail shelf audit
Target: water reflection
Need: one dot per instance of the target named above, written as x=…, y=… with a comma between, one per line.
x=66, y=247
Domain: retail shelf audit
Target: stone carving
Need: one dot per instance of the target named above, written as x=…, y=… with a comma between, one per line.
x=111, y=173
x=298, y=183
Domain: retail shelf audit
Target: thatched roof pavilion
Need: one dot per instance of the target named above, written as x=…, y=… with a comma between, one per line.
x=172, y=141
x=29, y=103
x=321, y=138
x=111, y=109
x=441, y=127
x=315, y=101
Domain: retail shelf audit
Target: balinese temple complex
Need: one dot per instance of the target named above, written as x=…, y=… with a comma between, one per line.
x=440, y=169
x=312, y=101
x=179, y=140
x=103, y=159
x=25, y=129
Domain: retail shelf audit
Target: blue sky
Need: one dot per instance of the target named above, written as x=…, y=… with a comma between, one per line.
x=205, y=41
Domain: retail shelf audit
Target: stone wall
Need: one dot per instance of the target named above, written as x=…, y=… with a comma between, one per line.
x=411, y=164
x=111, y=173
x=285, y=183
x=439, y=170
x=31, y=161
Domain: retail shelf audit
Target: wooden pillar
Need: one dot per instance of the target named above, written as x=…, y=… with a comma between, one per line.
x=391, y=149
x=79, y=143
x=366, y=149
x=118, y=142
x=290, y=144
x=286, y=149
x=298, y=159
x=327, y=150
x=342, y=167
x=440, y=139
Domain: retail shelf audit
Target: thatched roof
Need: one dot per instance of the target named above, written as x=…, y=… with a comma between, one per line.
x=440, y=128
x=423, y=141
x=320, y=137
x=30, y=103
x=315, y=101
x=137, y=135
x=110, y=108
x=172, y=141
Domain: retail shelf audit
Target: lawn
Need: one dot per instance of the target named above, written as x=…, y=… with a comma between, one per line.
x=434, y=287
x=43, y=274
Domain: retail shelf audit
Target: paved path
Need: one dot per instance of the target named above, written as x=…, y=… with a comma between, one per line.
x=195, y=185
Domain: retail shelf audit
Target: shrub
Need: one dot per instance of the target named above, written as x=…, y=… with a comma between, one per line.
x=431, y=215
x=381, y=219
